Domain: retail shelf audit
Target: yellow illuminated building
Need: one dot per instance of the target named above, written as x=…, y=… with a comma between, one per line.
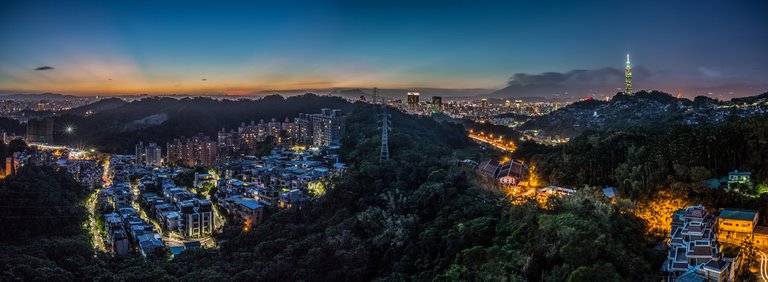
x=735, y=226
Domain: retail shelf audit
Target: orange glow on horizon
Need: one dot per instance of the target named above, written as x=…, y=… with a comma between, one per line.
x=116, y=74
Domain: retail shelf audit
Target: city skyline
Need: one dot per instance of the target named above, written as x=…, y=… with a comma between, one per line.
x=97, y=48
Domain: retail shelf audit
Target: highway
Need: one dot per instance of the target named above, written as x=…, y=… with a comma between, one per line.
x=509, y=147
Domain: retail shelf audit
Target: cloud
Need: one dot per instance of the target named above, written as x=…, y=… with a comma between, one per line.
x=596, y=77
x=579, y=82
x=44, y=68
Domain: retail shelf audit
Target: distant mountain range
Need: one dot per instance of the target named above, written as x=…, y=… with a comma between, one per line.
x=549, y=86
x=99, y=106
x=652, y=109
x=116, y=126
x=401, y=93
x=41, y=96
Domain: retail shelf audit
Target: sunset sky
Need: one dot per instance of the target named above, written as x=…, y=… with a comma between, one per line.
x=165, y=47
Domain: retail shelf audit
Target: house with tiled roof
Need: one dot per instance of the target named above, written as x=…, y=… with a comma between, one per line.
x=508, y=173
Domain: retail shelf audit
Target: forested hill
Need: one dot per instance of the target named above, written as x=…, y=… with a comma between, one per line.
x=655, y=110
x=642, y=161
x=419, y=216
x=100, y=106
x=423, y=216
x=154, y=119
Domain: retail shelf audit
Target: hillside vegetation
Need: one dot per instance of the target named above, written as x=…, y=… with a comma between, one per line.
x=654, y=110
x=422, y=215
x=160, y=120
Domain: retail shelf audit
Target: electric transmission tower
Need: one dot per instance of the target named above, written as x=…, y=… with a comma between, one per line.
x=384, y=120
x=384, y=136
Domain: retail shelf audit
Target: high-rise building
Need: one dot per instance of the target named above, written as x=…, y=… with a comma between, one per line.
x=327, y=127
x=249, y=135
x=437, y=103
x=228, y=141
x=273, y=129
x=150, y=154
x=40, y=131
x=289, y=129
x=198, y=150
x=507, y=103
x=303, y=133
x=484, y=103
x=413, y=100
x=628, y=77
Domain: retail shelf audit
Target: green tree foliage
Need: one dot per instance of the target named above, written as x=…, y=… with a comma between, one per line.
x=16, y=145
x=420, y=215
x=41, y=213
x=581, y=234
x=748, y=259
x=639, y=161
x=37, y=199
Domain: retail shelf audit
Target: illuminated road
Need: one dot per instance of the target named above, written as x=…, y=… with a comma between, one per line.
x=509, y=147
x=763, y=266
x=98, y=240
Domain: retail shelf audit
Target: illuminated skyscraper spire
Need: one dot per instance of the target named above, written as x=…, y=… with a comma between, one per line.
x=628, y=77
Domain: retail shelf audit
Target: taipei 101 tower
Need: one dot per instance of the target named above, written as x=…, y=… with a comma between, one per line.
x=628, y=77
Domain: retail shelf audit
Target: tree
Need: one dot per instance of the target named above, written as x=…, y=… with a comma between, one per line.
x=16, y=145
x=748, y=258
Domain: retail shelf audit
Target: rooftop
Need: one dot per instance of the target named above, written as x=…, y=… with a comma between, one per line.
x=609, y=192
x=716, y=265
x=760, y=230
x=738, y=214
x=249, y=203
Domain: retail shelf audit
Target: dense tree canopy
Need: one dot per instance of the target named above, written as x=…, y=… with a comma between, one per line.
x=640, y=162
x=421, y=215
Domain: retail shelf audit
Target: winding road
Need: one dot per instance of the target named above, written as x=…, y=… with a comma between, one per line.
x=763, y=266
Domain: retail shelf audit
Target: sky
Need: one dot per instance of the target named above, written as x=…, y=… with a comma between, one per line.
x=197, y=47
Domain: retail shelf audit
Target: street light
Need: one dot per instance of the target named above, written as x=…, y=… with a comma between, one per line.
x=69, y=131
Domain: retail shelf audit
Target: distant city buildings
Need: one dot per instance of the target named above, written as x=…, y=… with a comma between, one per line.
x=413, y=100
x=25, y=108
x=437, y=104
x=480, y=110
